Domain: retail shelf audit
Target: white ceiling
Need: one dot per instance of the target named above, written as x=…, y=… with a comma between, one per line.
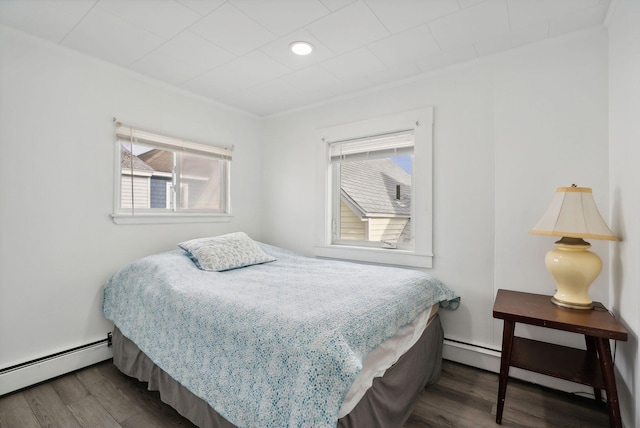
x=236, y=51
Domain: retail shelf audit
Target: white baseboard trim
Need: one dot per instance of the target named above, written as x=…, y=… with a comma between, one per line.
x=488, y=359
x=27, y=375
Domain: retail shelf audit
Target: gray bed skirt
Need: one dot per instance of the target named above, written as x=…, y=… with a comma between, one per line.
x=387, y=404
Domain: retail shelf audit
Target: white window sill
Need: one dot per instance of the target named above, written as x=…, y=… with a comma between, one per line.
x=172, y=218
x=375, y=255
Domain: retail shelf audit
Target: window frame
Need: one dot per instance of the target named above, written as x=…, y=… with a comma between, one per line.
x=420, y=121
x=174, y=214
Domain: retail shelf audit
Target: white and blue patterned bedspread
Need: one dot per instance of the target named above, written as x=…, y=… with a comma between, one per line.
x=272, y=345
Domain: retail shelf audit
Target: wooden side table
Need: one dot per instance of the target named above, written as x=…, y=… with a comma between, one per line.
x=593, y=367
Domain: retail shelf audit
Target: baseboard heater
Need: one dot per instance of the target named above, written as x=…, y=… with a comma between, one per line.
x=40, y=369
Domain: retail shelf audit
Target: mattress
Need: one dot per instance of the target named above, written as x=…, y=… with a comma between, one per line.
x=384, y=356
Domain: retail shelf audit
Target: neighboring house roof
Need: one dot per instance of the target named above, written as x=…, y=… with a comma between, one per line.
x=159, y=160
x=162, y=161
x=378, y=197
x=126, y=157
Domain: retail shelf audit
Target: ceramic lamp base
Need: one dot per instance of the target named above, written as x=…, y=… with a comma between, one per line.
x=574, y=268
x=571, y=305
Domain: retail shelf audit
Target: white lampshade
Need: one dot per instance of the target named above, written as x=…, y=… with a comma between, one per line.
x=573, y=214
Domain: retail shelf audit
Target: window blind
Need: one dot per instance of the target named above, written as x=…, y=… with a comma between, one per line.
x=161, y=141
x=398, y=143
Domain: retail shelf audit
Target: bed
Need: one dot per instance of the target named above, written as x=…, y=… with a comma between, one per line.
x=236, y=333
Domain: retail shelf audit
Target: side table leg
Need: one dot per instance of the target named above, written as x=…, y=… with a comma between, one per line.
x=591, y=349
x=608, y=376
x=505, y=361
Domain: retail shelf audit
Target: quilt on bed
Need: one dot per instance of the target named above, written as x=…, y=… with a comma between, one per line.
x=271, y=345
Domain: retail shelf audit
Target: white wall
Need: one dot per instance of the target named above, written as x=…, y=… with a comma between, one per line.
x=58, y=244
x=624, y=163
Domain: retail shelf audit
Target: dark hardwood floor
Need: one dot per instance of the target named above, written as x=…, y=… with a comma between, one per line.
x=100, y=396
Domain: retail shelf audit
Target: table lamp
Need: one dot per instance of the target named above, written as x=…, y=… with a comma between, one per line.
x=573, y=215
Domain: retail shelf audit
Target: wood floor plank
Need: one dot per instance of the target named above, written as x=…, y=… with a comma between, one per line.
x=111, y=398
x=141, y=420
x=434, y=402
x=69, y=388
x=16, y=412
x=90, y=414
x=543, y=403
x=425, y=415
x=48, y=408
x=483, y=403
x=151, y=420
x=148, y=401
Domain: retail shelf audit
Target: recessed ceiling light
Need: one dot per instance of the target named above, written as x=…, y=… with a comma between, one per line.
x=301, y=48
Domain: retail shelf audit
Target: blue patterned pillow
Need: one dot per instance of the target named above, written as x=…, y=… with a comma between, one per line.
x=225, y=252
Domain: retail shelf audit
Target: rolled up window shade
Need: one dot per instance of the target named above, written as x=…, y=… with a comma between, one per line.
x=372, y=147
x=161, y=141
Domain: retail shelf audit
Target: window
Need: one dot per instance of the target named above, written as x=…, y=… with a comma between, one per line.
x=159, y=176
x=377, y=190
x=372, y=189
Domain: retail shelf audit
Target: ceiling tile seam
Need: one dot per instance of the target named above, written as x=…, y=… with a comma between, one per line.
x=190, y=8
x=425, y=23
x=379, y=20
x=315, y=36
x=434, y=38
x=216, y=45
x=340, y=8
x=460, y=9
x=203, y=16
x=321, y=65
x=78, y=23
x=348, y=52
x=384, y=64
x=134, y=22
x=262, y=26
x=254, y=85
x=508, y=18
x=475, y=50
x=391, y=33
x=329, y=12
